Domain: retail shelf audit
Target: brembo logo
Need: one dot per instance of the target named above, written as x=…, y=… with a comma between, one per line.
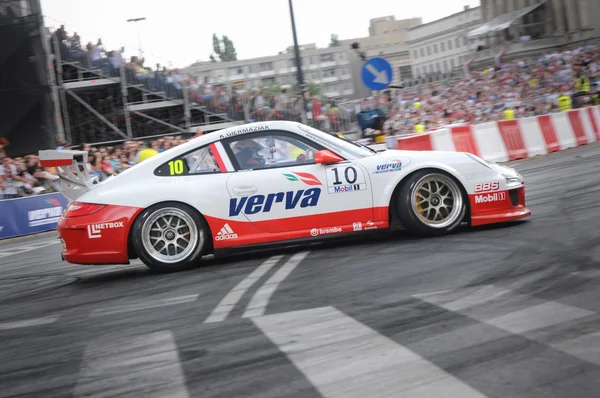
x=490, y=197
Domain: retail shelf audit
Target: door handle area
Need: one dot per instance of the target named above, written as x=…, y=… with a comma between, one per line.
x=246, y=190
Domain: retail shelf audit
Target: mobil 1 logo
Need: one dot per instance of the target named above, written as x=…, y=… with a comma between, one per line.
x=345, y=178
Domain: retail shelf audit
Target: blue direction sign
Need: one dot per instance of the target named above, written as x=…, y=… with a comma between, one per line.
x=377, y=74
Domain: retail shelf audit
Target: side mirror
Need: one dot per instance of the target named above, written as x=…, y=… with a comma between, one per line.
x=327, y=157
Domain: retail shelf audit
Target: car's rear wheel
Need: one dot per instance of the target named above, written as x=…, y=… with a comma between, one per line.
x=169, y=237
x=430, y=203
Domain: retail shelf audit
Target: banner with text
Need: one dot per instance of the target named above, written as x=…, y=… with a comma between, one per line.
x=30, y=215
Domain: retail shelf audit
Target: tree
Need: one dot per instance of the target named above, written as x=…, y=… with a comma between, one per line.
x=226, y=51
x=314, y=89
x=334, y=41
x=212, y=58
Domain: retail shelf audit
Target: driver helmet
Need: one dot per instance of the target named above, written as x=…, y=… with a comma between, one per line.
x=249, y=150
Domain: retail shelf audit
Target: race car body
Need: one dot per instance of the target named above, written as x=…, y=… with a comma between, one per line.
x=271, y=182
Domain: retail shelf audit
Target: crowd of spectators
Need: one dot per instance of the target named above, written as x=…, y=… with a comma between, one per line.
x=218, y=98
x=528, y=87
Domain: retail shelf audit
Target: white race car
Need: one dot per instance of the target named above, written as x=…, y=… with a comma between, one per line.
x=271, y=182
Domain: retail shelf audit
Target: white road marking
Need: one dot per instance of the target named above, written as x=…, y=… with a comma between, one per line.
x=146, y=365
x=344, y=358
x=594, y=273
x=228, y=302
x=23, y=249
x=527, y=321
x=260, y=300
x=28, y=323
x=119, y=309
x=535, y=313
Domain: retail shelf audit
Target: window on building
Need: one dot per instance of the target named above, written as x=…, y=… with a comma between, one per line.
x=266, y=66
x=442, y=46
x=457, y=42
x=435, y=48
x=428, y=50
x=422, y=52
x=445, y=66
x=254, y=68
x=449, y=44
x=415, y=54
x=326, y=57
x=452, y=62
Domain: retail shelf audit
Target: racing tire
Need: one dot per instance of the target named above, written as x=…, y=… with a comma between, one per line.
x=430, y=203
x=170, y=237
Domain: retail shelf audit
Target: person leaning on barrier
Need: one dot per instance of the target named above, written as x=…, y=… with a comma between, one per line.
x=565, y=103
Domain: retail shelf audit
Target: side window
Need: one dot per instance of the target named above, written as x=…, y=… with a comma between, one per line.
x=199, y=161
x=271, y=150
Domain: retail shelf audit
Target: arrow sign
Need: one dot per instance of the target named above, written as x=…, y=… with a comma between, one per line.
x=377, y=74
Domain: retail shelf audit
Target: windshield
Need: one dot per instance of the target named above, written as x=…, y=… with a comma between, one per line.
x=353, y=148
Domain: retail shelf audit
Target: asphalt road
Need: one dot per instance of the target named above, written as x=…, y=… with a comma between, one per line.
x=506, y=311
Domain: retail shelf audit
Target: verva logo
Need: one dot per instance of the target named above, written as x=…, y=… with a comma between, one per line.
x=264, y=203
x=487, y=186
x=490, y=197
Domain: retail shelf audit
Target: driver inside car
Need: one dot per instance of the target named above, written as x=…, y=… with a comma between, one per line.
x=247, y=153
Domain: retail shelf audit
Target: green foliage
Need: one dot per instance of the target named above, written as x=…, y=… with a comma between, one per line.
x=224, y=48
x=334, y=41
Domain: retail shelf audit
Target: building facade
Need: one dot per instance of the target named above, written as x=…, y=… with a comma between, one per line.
x=438, y=46
x=326, y=67
x=518, y=28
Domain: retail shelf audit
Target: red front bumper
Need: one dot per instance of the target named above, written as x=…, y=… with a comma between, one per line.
x=98, y=238
x=498, y=207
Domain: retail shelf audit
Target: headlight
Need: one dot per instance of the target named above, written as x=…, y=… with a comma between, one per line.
x=512, y=182
x=479, y=160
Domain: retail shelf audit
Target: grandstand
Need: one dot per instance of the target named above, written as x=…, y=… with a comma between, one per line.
x=107, y=98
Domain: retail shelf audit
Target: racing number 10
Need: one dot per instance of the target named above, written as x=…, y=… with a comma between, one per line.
x=176, y=167
x=349, y=174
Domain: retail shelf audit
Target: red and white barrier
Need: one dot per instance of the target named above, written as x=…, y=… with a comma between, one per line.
x=508, y=140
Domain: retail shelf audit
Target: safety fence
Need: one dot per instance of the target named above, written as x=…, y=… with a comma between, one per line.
x=31, y=215
x=510, y=140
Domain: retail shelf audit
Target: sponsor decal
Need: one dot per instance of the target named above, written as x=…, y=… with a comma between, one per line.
x=264, y=203
x=53, y=202
x=49, y=215
x=226, y=233
x=357, y=226
x=243, y=131
x=325, y=231
x=370, y=225
x=307, y=178
x=487, y=186
x=348, y=188
x=391, y=165
x=490, y=197
x=95, y=230
x=320, y=141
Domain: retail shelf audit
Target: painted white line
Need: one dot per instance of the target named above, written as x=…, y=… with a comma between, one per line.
x=23, y=249
x=586, y=347
x=147, y=365
x=260, y=300
x=594, y=273
x=228, y=302
x=535, y=313
x=344, y=358
x=28, y=323
x=144, y=306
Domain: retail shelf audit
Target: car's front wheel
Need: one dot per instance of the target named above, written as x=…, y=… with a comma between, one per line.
x=169, y=237
x=430, y=203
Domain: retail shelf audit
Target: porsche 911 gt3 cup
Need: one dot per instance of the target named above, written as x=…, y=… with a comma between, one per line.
x=271, y=183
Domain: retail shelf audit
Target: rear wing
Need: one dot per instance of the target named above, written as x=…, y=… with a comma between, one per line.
x=71, y=167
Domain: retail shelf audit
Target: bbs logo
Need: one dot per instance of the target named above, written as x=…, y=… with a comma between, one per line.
x=487, y=186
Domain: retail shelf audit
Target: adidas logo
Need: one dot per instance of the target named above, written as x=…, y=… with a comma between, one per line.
x=226, y=233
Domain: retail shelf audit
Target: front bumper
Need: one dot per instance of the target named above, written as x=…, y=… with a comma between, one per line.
x=498, y=207
x=99, y=238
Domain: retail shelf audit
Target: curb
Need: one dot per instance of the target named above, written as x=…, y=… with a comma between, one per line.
x=29, y=237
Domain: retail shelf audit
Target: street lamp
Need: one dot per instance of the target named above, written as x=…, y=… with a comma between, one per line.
x=300, y=76
x=136, y=20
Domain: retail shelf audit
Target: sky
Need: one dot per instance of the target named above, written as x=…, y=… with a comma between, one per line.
x=177, y=33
